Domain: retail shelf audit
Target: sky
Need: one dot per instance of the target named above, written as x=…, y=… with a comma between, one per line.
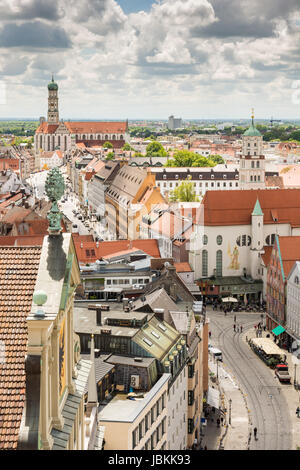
x=143, y=59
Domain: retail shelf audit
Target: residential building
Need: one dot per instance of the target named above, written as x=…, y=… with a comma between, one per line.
x=49, y=160
x=293, y=302
x=286, y=251
x=98, y=185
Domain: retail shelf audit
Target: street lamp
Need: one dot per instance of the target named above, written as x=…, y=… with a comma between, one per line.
x=230, y=401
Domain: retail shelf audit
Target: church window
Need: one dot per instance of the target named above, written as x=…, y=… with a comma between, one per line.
x=113, y=137
x=41, y=141
x=243, y=240
x=48, y=142
x=121, y=137
x=65, y=142
x=219, y=263
x=270, y=240
x=204, y=263
x=58, y=140
x=205, y=239
x=219, y=240
x=83, y=137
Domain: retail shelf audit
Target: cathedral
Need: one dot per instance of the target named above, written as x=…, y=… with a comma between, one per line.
x=54, y=134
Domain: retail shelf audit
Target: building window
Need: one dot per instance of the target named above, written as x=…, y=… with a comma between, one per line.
x=204, y=263
x=219, y=240
x=296, y=280
x=270, y=240
x=219, y=263
x=243, y=240
x=205, y=239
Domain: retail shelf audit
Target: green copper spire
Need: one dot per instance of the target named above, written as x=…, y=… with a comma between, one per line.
x=54, y=188
x=257, y=209
x=252, y=131
x=52, y=85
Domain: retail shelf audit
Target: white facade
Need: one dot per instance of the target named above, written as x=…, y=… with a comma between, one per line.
x=293, y=300
x=51, y=162
x=237, y=247
x=177, y=414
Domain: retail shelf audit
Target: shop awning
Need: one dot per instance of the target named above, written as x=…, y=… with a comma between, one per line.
x=213, y=397
x=278, y=330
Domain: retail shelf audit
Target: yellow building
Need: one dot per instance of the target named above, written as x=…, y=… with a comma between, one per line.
x=139, y=424
x=42, y=370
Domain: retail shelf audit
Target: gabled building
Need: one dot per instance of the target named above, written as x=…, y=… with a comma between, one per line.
x=286, y=251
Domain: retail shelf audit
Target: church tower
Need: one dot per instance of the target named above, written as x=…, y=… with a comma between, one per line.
x=53, y=115
x=252, y=161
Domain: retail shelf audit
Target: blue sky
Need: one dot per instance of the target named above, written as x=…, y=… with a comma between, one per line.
x=130, y=6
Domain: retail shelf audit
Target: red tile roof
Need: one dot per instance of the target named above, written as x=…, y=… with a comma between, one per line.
x=183, y=267
x=290, y=252
x=95, y=127
x=111, y=247
x=18, y=273
x=236, y=207
x=22, y=240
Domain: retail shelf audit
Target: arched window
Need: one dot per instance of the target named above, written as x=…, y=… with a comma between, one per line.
x=219, y=263
x=121, y=137
x=270, y=240
x=205, y=240
x=243, y=240
x=204, y=263
x=53, y=142
x=83, y=137
x=106, y=137
x=65, y=142
x=41, y=141
x=113, y=137
x=219, y=240
x=98, y=137
x=58, y=141
x=48, y=142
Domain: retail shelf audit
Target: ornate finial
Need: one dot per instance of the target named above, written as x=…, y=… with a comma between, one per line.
x=54, y=188
x=52, y=77
x=252, y=116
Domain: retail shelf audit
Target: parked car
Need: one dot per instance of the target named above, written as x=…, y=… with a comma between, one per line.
x=282, y=372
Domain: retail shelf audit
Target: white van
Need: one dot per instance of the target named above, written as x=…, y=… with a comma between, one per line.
x=216, y=353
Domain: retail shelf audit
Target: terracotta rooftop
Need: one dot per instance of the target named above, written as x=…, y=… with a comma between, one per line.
x=89, y=252
x=183, y=267
x=18, y=273
x=235, y=207
x=22, y=240
x=290, y=252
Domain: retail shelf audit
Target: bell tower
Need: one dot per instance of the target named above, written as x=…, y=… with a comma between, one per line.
x=53, y=115
x=252, y=160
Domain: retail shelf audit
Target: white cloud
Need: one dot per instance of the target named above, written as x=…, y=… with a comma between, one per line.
x=157, y=62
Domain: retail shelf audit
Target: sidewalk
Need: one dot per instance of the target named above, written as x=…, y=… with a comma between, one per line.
x=233, y=435
x=291, y=395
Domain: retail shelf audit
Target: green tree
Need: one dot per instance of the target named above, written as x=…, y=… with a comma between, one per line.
x=185, y=158
x=155, y=149
x=184, y=193
x=217, y=159
x=110, y=156
x=107, y=145
x=126, y=147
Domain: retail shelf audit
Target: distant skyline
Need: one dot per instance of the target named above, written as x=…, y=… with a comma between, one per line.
x=196, y=59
